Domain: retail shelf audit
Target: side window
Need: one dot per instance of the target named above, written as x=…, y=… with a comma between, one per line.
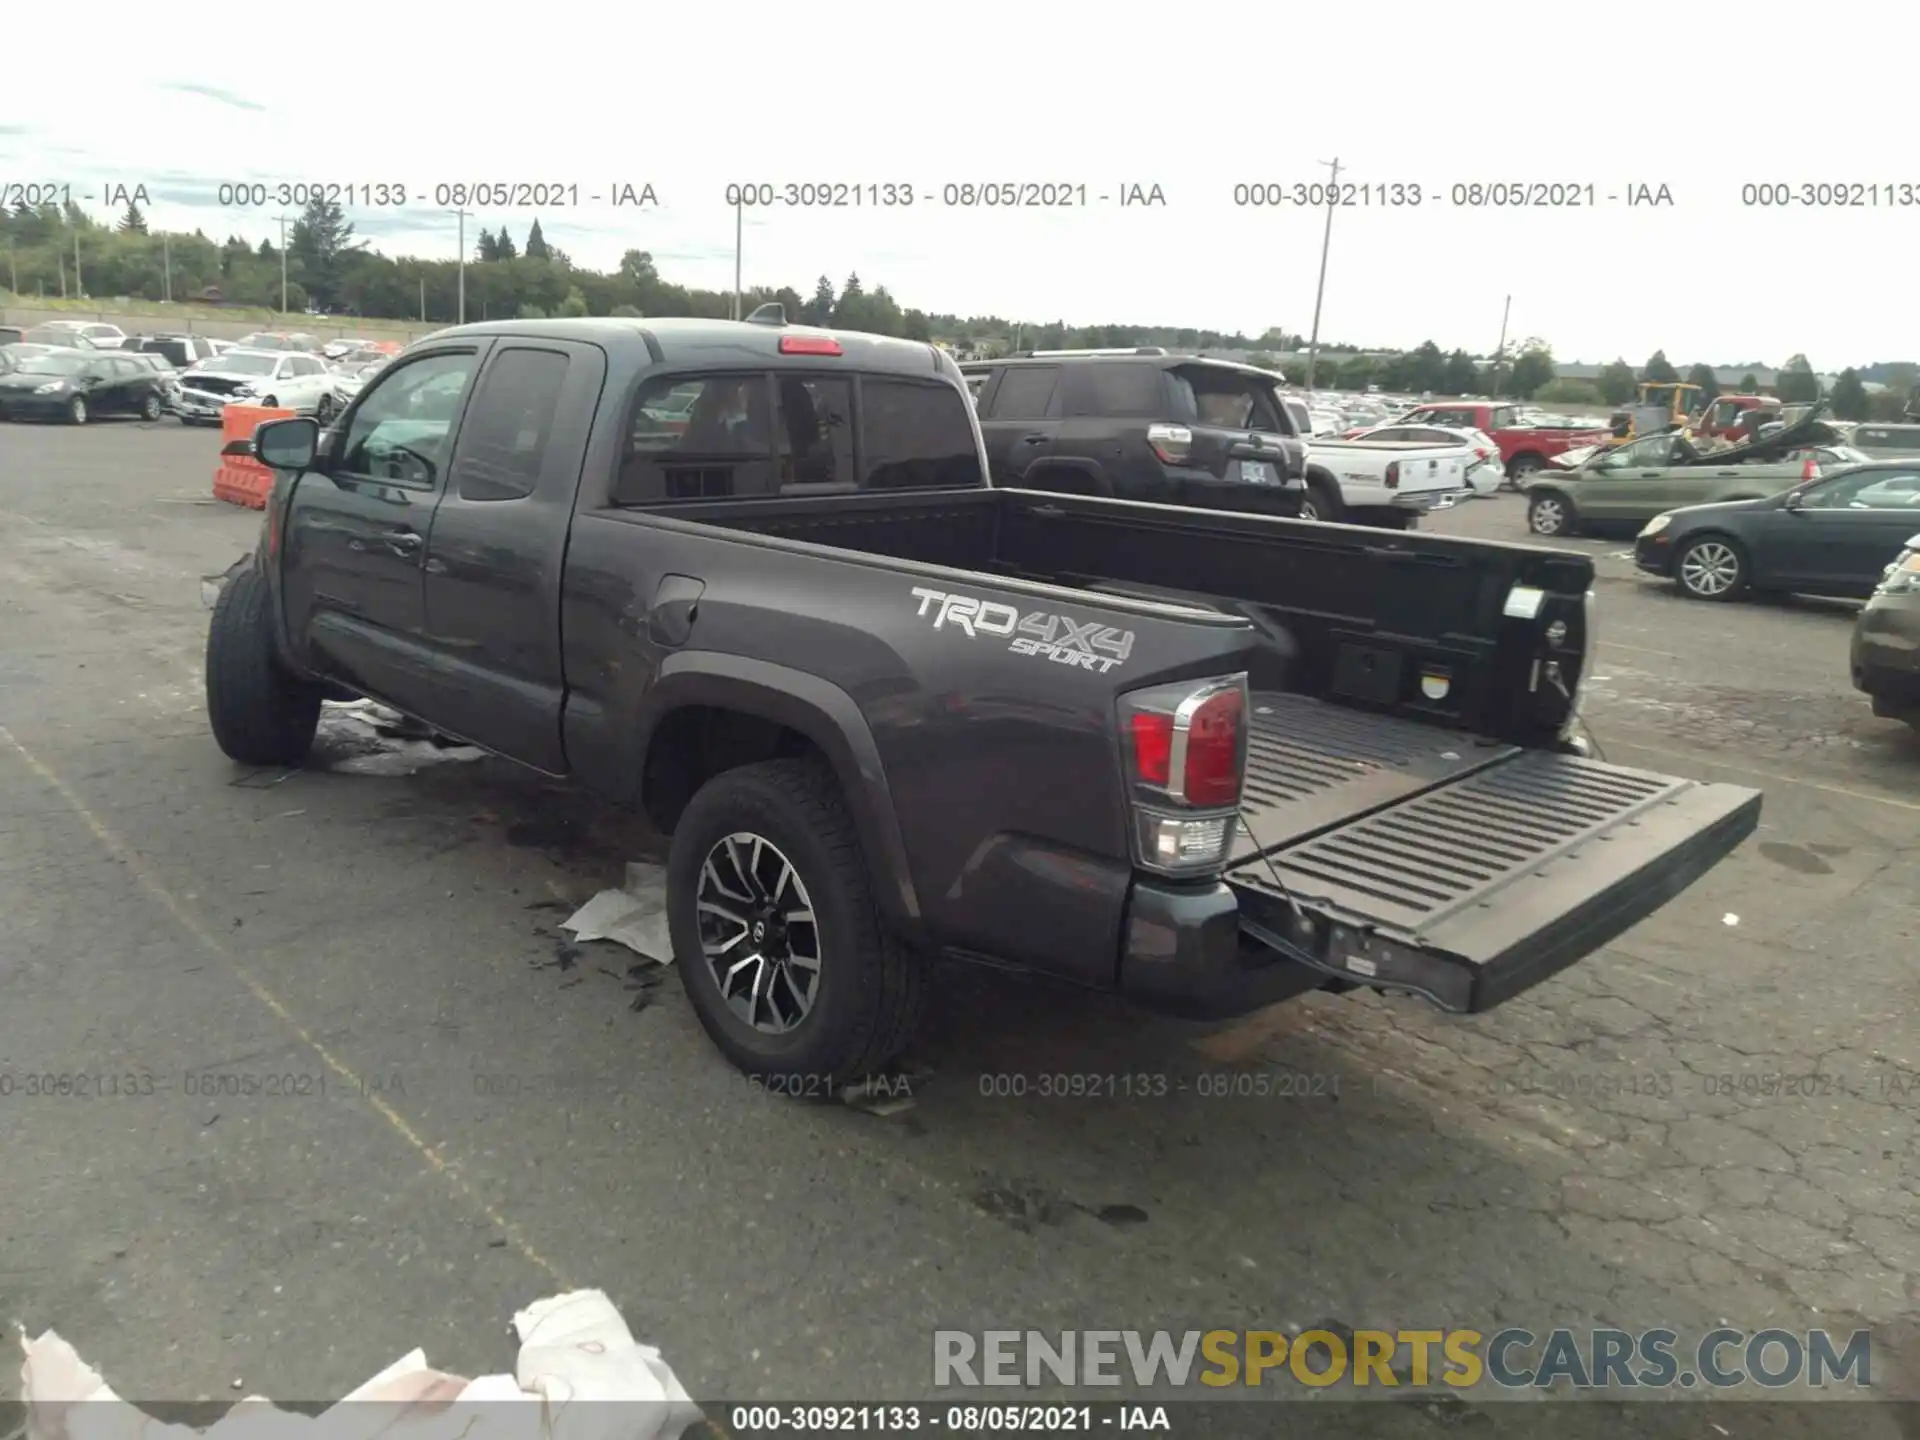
x=301, y=365
x=977, y=385
x=500, y=448
x=1113, y=388
x=1026, y=392
x=1504, y=417
x=915, y=437
x=698, y=437
x=399, y=430
x=815, y=434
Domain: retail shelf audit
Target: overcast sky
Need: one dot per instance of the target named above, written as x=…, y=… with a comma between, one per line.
x=1195, y=101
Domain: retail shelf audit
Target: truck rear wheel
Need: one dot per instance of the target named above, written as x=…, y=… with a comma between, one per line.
x=1322, y=501
x=261, y=715
x=774, y=929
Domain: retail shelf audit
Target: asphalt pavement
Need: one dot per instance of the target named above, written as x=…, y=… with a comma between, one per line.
x=343, y=1091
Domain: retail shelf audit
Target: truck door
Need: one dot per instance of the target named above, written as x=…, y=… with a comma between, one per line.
x=499, y=537
x=355, y=535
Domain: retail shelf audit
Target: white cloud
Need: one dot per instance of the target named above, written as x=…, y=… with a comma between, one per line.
x=691, y=100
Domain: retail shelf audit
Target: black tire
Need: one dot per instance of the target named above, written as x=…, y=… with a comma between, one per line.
x=77, y=410
x=1711, y=567
x=1519, y=468
x=1552, y=516
x=1322, y=501
x=272, y=402
x=870, y=991
x=323, y=412
x=261, y=715
x=150, y=410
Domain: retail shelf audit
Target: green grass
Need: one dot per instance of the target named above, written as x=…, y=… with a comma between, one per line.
x=111, y=306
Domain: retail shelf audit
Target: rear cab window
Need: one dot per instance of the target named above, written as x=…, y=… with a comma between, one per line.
x=740, y=435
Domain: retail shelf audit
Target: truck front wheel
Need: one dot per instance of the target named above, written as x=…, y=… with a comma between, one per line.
x=774, y=929
x=261, y=715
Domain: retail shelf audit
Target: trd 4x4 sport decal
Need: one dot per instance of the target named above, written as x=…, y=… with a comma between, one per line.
x=1060, y=638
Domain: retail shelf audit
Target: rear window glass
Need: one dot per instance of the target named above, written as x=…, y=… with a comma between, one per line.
x=1112, y=388
x=815, y=434
x=1229, y=400
x=916, y=437
x=1026, y=392
x=698, y=437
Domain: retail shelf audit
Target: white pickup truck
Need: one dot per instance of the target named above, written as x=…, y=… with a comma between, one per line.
x=1384, y=482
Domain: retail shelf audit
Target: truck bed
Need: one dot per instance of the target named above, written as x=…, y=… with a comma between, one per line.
x=1354, y=617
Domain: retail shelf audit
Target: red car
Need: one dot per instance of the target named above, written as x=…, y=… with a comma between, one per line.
x=1523, y=448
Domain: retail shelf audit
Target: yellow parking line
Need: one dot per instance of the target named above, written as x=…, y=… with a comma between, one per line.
x=151, y=883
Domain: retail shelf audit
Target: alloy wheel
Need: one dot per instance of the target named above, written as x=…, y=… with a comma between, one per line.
x=1548, y=516
x=77, y=410
x=1710, y=569
x=150, y=408
x=758, y=934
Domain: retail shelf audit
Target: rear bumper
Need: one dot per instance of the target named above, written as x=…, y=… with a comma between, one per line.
x=1422, y=502
x=1208, y=493
x=1185, y=953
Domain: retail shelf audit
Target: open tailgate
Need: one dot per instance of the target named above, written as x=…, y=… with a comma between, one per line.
x=1388, y=853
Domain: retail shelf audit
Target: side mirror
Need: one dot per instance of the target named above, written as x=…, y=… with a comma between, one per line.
x=289, y=444
x=1796, y=499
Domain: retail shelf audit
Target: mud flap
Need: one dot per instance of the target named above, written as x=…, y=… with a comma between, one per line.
x=1483, y=885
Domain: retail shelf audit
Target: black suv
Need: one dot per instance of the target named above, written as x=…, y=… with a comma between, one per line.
x=1140, y=425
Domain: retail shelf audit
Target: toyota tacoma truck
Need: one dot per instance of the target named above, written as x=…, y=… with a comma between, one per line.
x=888, y=713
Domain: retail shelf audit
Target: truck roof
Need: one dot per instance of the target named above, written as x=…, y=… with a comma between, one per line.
x=720, y=341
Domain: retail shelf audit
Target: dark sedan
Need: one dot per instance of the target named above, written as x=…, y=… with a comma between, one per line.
x=1831, y=536
x=78, y=386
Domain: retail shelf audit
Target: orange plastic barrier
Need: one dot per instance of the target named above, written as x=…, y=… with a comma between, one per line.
x=240, y=479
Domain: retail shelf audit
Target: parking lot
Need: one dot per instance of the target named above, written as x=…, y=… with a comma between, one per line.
x=440, y=1112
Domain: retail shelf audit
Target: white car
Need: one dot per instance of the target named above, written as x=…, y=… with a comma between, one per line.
x=1486, y=474
x=94, y=333
x=277, y=379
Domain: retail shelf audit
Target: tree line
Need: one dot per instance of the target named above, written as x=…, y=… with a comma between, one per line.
x=62, y=250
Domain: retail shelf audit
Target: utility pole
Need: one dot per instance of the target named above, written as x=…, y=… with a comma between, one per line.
x=166, y=267
x=13, y=269
x=79, y=289
x=60, y=259
x=284, y=220
x=462, y=302
x=1320, y=290
x=1500, y=350
x=423, y=298
x=739, y=212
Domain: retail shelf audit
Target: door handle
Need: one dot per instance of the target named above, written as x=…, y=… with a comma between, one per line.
x=1033, y=439
x=404, y=542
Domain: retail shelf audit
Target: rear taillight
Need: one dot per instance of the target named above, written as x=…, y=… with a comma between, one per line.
x=1393, y=474
x=1483, y=455
x=1186, y=754
x=1172, y=443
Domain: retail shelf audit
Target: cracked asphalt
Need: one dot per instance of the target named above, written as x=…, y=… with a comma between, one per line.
x=347, y=1093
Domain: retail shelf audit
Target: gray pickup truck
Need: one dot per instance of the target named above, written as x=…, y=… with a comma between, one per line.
x=752, y=579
